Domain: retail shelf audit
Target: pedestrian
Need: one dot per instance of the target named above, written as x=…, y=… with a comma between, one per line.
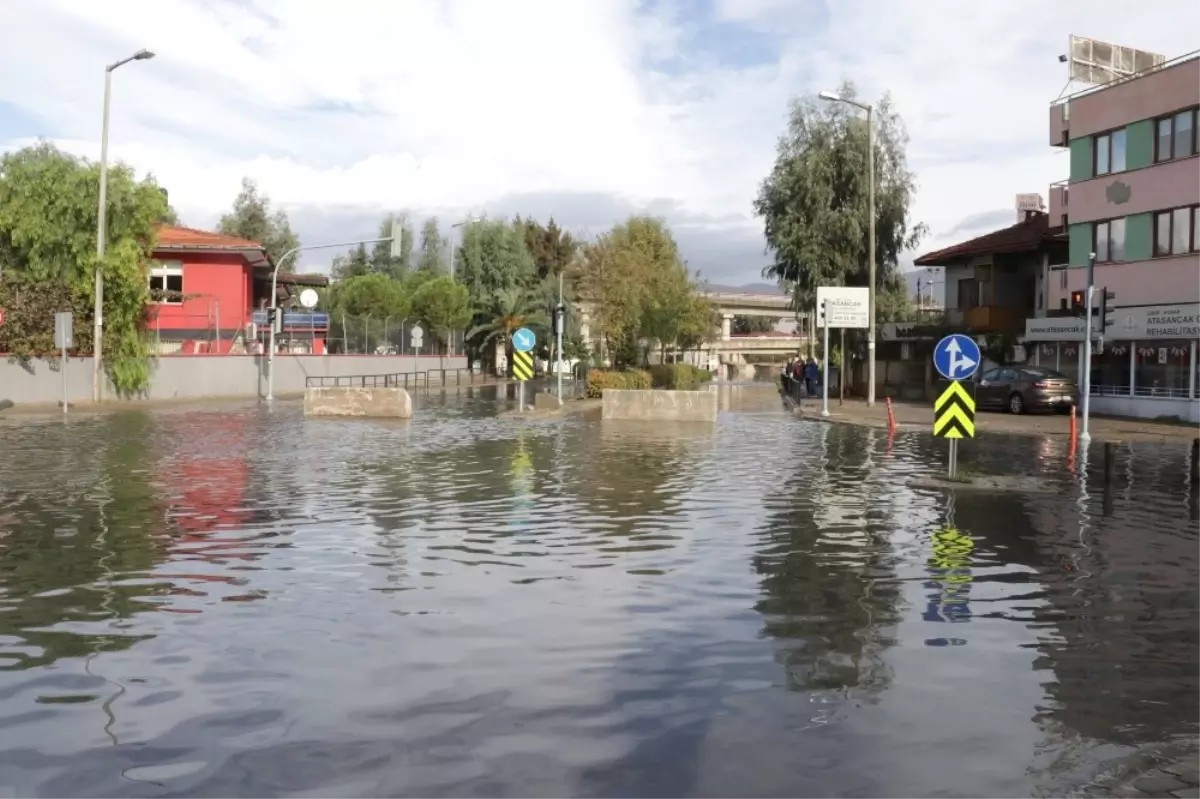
x=811, y=375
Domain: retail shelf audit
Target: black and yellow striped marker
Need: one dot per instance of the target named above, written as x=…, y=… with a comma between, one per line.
x=523, y=366
x=954, y=412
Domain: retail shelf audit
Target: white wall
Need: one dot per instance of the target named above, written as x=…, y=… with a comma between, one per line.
x=196, y=377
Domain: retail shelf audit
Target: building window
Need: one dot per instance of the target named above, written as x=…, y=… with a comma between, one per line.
x=1175, y=231
x=1176, y=136
x=1162, y=368
x=1110, y=370
x=166, y=283
x=1110, y=152
x=1108, y=240
x=968, y=294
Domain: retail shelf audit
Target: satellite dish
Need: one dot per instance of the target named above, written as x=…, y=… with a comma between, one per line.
x=308, y=298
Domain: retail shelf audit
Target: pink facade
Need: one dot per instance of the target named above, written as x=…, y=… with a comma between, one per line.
x=1161, y=280
x=1153, y=94
x=1166, y=185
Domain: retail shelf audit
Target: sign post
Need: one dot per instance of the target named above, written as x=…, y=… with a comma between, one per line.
x=64, y=339
x=1085, y=400
x=417, y=336
x=956, y=358
x=523, y=343
x=841, y=307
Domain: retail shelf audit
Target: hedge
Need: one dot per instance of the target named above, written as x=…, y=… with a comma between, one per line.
x=598, y=380
x=679, y=376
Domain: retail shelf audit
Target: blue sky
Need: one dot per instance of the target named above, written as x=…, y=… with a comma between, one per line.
x=585, y=109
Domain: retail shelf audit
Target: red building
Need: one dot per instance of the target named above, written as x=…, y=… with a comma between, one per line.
x=211, y=292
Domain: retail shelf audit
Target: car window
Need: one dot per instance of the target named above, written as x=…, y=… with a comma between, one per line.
x=1007, y=375
x=990, y=374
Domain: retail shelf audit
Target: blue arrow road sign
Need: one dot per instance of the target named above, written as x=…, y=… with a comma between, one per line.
x=956, y=357
x=523, y=340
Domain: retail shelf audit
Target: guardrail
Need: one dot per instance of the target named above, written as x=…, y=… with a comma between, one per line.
x=404, y=380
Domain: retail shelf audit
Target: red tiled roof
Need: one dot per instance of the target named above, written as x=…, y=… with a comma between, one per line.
x=1027, y=236
x=184, y=238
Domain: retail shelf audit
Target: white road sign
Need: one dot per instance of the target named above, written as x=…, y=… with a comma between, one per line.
x=849, y=306
x=417, y=335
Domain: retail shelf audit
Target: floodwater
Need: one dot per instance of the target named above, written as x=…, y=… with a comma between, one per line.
x=221, y=601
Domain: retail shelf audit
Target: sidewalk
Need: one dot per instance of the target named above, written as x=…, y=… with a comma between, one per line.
x=912, y=416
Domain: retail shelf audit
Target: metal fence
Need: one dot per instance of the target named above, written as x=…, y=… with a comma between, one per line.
x=425, y=378
x=368, y=335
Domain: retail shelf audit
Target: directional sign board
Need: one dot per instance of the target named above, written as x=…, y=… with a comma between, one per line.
x=418, y=336
x=956, y=357
x=954, y=412
x=847, y=306
x=522, y=365
x=64, y=334
x=524, y=340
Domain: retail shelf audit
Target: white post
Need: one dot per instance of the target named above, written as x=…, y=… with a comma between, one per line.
x=1191, y=372
x=559, y=345
x=871, y=256
x=64, y=376
x=825, y=361
x=101, y=231
x=1086, y=355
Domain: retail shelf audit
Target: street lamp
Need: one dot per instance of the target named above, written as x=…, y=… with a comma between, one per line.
x=101, y=221
x=274, y=316
x=837, y=98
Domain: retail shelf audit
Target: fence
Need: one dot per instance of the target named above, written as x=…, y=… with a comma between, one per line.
x=367, y=335
x=405, y=380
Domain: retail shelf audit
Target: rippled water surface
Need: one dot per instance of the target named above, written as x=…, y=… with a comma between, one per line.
x=235, y=601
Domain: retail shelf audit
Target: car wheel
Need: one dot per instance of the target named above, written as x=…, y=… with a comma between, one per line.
x=1016, y=404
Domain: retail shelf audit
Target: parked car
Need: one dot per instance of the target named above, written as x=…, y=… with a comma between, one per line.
x=1018, y=389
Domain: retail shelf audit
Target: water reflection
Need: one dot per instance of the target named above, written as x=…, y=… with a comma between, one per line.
x=236, y=601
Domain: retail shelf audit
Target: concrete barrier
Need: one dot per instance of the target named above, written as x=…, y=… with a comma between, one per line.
x=378, y=403
x=546, y=402
x=659, y=406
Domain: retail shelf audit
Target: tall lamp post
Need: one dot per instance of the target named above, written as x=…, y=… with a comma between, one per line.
x=101, y=222
x=837, y=98
x=274, y=315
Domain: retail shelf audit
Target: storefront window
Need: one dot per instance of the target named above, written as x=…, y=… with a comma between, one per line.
x=1162, y=367
x=1110, y=369
x=1048, y=355
x=1068, y=359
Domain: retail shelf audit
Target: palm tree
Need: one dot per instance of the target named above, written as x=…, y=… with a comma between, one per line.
x=511, y=309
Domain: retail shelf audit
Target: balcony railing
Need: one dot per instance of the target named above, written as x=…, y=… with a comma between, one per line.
x=994, y=319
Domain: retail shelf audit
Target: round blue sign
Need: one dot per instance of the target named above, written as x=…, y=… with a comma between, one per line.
x=524, y=340
x=956, y=357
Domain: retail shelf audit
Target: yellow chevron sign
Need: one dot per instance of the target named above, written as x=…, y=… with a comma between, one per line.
x=954, y=412
x=522, y=366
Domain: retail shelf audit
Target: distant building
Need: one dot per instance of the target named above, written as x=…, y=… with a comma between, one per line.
x=211, y=292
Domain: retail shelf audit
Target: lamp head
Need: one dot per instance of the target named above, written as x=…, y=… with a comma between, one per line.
x=143, y=55
x=829, y=96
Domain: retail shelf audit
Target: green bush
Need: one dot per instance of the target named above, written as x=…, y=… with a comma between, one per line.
x=598, y=380
x=679, y=376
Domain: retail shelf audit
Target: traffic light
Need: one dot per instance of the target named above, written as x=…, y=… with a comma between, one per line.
x=1079, y=303
x=1106, y=308
x=560, y=319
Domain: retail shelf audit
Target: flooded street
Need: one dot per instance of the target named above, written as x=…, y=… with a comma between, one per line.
x=234, y=601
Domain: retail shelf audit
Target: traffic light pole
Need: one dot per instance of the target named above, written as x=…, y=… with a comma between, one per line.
x=1085, y=401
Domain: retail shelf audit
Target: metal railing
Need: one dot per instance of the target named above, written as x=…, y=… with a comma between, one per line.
x=424, y=378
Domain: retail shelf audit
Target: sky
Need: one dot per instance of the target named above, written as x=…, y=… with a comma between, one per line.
x=584, y=110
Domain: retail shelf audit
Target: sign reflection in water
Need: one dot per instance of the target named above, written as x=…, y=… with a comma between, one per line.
x=949, y=582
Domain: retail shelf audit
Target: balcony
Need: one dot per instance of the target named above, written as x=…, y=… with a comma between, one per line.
x=296, y=321
x=1058, y=203
x=994, y=319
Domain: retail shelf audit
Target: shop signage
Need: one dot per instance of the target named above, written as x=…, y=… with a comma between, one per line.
x=1129, y=324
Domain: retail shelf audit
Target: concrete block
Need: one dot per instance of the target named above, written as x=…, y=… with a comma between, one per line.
x=377, y=403
x=659, y=406
x=546, y=402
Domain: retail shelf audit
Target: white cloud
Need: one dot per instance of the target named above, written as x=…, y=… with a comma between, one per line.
x=450, y=106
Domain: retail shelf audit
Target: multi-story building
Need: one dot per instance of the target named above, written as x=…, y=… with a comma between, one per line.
x=1133, y=199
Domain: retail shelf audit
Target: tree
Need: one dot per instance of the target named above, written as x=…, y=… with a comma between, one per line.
x=48, y=207
x=372, y=295
x=814, y=203
x=443, y=306
x=382, y=259
x=355, y=263
x=433, y=255
x=748, y=325
x=252, y=218
x=551, y=248
x=510, y=309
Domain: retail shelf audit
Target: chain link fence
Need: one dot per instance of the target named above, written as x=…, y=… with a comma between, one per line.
x=367, y=335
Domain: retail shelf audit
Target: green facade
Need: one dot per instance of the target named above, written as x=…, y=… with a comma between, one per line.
x=1139, y=144
x=1139, y=237
x=1081, y=158
x=1080, y=239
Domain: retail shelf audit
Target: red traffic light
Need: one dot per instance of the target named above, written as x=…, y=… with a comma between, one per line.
x=1077, y=298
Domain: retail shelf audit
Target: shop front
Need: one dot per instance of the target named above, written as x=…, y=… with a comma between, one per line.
x=1147, y=367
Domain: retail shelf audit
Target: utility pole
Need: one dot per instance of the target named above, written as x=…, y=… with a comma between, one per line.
x=102, y=225
x=561, y=316
x=871, y=255
x=825, y=361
